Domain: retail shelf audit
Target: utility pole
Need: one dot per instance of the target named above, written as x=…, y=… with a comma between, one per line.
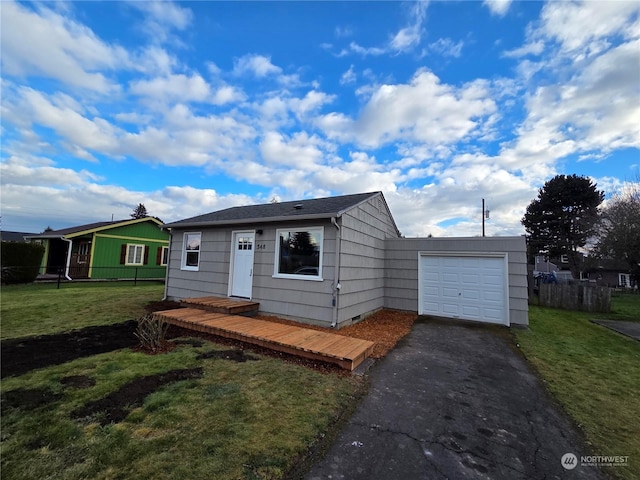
x=485, y=214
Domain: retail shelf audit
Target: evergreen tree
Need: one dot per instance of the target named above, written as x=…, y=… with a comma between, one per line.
x=563, y=217
x=139, y=212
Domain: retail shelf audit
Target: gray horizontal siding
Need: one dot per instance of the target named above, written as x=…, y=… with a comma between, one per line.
x=363, y=231
x=305, y=300
x=401, y=268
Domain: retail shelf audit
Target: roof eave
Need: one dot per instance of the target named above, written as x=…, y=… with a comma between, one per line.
x=283, y=218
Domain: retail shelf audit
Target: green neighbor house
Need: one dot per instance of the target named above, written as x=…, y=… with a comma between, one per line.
x=123, y=249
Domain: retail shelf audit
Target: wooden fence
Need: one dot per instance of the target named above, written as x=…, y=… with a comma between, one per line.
x=576, y=297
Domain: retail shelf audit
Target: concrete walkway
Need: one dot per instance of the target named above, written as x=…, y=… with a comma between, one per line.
x=630, y=329
x=454, y=401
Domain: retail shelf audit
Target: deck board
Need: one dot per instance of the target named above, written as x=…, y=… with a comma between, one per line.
x=347, y=352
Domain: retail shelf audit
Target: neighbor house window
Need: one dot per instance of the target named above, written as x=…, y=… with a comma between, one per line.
x=191, y=251
x=163, y=256
x=135, y=254
x=299, y=253
x=624, y=280
x=564, y=258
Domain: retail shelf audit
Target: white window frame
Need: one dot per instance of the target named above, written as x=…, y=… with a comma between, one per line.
x=135, y=247
x=183, y=263
x=624, y=280
x=564, y=258
x=164, y=257
x=315, y=278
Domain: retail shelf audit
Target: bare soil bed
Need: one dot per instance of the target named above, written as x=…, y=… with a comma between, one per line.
x=22, y=355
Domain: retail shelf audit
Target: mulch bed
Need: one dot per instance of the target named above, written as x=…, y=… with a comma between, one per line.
x=385, y=328
x=21, y=355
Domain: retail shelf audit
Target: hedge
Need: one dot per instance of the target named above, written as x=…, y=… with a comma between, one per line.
x=21, y=262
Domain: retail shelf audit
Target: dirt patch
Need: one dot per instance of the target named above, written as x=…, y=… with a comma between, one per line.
x=27, y=398
x=161, y=305
x=385, y=328
x=21, y=355
x=78, y=381
x=116, y=406
x=234, y=355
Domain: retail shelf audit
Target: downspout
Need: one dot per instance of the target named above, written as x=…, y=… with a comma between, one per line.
x=336, y=275
x=66, y=271
x=166, y=273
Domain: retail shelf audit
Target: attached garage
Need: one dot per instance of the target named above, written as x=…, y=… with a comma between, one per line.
x=465, y=286
x=483, y=279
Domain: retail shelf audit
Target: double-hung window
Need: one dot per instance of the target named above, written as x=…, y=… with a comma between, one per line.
x=164, y=256
x=299, y=253
x=191, y=251
x=135, y=254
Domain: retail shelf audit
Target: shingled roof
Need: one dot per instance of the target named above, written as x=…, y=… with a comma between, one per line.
x=316, y=208
x=89, y=227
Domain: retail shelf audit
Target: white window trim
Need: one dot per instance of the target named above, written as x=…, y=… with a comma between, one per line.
x=292, y=276
x=135, y=246
x=624, y=280
x=564, y=258
x=163, y=263
x=183, y=262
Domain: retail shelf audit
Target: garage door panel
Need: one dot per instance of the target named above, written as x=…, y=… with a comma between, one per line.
x=470, y=294
x=468, y=287
x=470, y=279
x=450, y=292
x=495, y=297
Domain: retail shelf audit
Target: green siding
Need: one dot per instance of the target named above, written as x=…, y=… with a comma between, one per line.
x=106, y=251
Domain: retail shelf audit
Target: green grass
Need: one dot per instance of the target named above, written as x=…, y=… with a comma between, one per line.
x=251, y=420
x=594, y=373
x=624, y=306
x=42, y=309
x=240, y=420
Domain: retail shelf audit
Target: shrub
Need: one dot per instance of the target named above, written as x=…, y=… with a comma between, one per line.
x=151, y=332
x=21, y=262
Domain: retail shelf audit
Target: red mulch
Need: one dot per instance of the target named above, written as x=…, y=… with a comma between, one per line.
x=385, y=328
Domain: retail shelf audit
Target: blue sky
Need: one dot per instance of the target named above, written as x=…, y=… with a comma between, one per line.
x=195, y=107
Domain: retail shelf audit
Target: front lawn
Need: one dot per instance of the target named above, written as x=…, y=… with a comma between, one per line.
x=594, y=373
x=201, y=411
x=253, y=419
x=42, y=309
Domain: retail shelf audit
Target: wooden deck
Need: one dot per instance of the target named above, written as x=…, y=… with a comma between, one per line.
x=222, y=305
x=347, y=352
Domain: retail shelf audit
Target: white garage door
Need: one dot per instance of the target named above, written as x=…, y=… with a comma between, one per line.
x=466, y=287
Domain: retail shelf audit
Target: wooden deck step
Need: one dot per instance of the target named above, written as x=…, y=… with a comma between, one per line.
x=230, y=306
x=347, y=352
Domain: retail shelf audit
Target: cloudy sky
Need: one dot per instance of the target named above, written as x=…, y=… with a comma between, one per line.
x=195, y=107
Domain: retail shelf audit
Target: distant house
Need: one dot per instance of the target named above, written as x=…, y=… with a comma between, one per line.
x=106, y=250
x=7, y=236
x=332, y=261
x=607, y=273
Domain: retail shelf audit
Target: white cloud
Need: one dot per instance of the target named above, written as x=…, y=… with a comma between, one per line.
x=173, y=88
x=257, y=65
x=533, y=48
x=56, y=47
x=498, y=7
x=161, y=17
x=92, y=134
x=300, y=151
x=425, y=110
x=348, y=77
x=447, y=47
x=578, y=24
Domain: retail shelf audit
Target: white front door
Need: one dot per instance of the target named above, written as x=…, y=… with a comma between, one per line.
x=242, y=264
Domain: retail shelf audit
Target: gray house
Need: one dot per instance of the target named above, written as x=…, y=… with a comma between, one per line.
x=332, y=261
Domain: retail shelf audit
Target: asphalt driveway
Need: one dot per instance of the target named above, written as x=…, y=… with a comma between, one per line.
x=454, y=401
